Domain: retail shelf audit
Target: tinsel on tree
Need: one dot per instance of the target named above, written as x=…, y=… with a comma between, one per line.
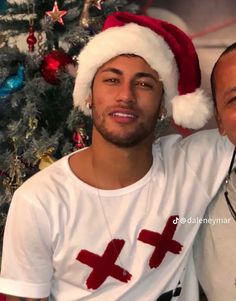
x=38, y=124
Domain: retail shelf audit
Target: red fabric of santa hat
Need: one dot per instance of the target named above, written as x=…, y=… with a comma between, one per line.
x=166, y=48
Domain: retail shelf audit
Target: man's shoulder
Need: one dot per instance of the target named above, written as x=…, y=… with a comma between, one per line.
x=201, y=140
x=47, y=179
x=207, y=143
x=204, y=136
x=198, y=139
x=167, y=141
x=56, y=168
x=200, y=136
x=195, y=149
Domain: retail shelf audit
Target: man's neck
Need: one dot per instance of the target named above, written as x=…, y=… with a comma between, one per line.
x=114, y=167
x=106, y=166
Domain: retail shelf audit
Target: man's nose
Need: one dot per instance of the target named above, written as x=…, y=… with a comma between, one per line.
x=126, y=93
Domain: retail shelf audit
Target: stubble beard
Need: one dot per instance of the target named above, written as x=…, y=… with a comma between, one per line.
x=129, y=139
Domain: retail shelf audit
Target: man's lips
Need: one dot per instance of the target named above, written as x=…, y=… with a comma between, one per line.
x=123, y=115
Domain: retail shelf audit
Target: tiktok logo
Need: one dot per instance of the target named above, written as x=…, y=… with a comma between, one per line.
x=175, y=221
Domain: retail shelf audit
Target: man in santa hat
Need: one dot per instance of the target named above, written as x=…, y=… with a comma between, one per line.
x=116, y=221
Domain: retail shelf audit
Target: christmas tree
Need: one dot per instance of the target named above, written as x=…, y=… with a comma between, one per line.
x=38, y=124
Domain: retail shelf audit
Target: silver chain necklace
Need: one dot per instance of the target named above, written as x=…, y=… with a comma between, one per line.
x=105, y=215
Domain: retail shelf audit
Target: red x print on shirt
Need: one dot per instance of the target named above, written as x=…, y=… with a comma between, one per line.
x=104, y=266
x=162, y=242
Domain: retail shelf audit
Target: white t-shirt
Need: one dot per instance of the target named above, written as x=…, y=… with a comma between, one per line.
x=71, y=241
x=215, y=248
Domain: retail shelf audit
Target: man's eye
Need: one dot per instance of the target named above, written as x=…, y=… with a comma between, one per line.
x=232, y=99
x=146, y=85
x=111, y=80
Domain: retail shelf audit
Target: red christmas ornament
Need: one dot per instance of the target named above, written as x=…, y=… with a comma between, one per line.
x=31, y=40
x=54, y=62
x=80, y=138
x=56, y=15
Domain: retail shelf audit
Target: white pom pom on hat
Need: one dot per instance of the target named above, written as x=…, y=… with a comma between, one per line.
x=166, y=48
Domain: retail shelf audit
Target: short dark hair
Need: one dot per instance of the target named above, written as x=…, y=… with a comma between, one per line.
x=230, y=48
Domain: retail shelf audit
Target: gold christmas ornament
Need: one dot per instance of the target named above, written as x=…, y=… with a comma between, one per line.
x=45, y=159
x=85, y=15
x=15, y=177
x=56, y=15
x=98, y=4
x=32, y=123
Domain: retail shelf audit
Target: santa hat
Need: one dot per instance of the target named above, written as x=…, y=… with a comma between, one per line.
x=167, y=49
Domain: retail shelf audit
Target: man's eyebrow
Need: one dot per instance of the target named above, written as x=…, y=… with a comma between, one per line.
x=145, y=74
x=114, y=70
x=137, y=75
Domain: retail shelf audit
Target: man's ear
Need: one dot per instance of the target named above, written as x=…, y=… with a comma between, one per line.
x=89, y=102
x=219, y=123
